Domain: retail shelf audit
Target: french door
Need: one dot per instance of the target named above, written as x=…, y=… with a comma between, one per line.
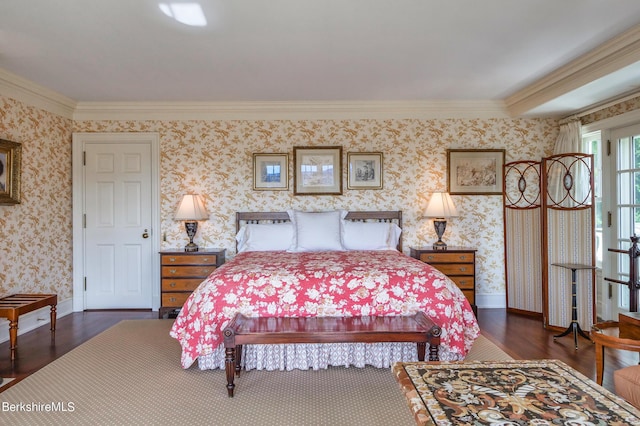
x=625, y=214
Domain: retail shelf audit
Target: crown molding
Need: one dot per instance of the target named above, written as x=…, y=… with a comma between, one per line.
x=611, y=56
x=288, y=110
x=38, y=96
x=29, y=93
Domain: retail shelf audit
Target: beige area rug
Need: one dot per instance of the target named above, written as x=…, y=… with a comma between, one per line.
x=131, y=375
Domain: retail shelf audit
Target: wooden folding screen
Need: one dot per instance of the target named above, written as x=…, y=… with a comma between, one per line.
x=549, y=214
x=568, y=236
x=523, y=236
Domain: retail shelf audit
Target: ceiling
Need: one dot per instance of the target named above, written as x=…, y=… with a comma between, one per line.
x=536, y=56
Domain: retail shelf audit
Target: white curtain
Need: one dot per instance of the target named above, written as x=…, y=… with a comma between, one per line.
x=569, y=141
x=569, y=138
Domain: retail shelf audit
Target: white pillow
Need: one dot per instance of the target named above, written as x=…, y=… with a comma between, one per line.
x=394, y=236
x=265, y=237
x=370, y=235
x=317, y=231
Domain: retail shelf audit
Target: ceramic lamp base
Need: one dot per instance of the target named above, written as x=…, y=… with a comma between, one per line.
x=192, y=228
x=440, y=225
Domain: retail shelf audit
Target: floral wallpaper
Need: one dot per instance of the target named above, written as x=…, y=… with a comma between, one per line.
x=612, y=111
x=35, y=235
x=214, y=158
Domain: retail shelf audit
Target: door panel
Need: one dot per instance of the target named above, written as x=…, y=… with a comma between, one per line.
x=117, y=198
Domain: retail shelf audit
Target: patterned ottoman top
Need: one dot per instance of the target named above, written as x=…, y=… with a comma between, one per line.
x=540, y=392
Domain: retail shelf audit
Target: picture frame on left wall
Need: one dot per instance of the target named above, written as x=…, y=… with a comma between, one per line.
x=270, y=172
x=10, y=172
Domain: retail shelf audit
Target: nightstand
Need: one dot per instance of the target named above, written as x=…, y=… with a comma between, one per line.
x=181, y=272
x=458, y=263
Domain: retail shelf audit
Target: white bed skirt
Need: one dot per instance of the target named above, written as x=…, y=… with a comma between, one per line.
x=306, y=356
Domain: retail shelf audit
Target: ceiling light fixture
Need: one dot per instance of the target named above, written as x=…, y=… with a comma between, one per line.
x=186, y=13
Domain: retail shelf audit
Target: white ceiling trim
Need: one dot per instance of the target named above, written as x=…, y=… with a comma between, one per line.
x=20, y=89
x=611, y=56
x=289, y=110
x=25, y=91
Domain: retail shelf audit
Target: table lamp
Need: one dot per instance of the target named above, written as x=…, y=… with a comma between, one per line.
x=191, y=210
x=440, y=208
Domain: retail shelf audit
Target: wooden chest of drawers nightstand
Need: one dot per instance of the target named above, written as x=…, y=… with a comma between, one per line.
x=181, y=272
x=458, y=263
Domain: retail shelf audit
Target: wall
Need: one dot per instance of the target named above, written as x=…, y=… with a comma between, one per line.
x=214, y=158
x=35, y=235
x=620, y=108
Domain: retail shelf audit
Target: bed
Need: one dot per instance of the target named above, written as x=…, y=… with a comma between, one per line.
x=296, y=264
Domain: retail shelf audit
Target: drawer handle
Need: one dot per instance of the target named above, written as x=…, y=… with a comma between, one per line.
x=172, y=259
x=173, y=271
x=463, y=282
x=463, y=257
x=430, y=257
x=205, y=259
x=172, y=285
x=172, y=299
x=463, y=269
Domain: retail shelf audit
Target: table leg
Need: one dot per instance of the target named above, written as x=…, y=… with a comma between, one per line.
x=574, y=326
x=230, y=367
x=53, y=321
x=13, y=337
x=599, y=363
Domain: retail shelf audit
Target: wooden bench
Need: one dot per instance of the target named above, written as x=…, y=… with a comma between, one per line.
x=11, y=307
x=368, y=329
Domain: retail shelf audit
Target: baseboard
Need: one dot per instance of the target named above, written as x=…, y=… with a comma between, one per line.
x=491, y=300
x=32, y=320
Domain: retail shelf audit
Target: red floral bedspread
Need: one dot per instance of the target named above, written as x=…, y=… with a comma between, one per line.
x=339, y=283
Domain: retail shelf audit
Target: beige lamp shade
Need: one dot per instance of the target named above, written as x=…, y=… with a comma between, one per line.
x=441, y=206
x=191, y=207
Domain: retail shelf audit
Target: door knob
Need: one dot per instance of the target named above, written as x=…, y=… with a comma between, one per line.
x=145, y=234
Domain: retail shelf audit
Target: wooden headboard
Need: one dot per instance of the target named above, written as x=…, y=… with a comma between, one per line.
x=394, y=216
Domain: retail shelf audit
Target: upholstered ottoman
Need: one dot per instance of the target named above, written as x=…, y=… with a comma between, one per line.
x=627, y=384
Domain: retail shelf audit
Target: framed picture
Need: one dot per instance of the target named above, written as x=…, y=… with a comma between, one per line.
x=365, y=170
x=475, y=171
x=10, y=158
x=317, y=170
x=271, y=172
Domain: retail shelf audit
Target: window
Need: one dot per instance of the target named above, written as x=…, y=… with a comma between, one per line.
x=592, y=144
x=615, y=145
x=627, y=148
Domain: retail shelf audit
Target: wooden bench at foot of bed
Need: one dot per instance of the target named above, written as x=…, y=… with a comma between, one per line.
x=360, y=329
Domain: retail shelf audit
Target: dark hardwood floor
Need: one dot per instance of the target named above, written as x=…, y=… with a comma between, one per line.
x=521, y=336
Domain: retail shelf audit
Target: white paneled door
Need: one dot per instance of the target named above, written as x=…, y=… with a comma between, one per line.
x=117, y=225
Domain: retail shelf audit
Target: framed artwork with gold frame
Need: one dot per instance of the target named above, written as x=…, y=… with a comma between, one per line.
x=10, y=161
x=475, y=171
x=365, y=170
x=270, y=172
x=317, y=170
